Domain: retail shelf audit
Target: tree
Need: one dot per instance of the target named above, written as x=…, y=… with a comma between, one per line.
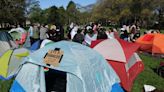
x=62, y=16
x=72, y=12
x=129, y=11
x=12, y=11
x=53, y=16
x=35, y=15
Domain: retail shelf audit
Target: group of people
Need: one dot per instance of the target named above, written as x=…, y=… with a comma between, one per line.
x=53, y=32
x=95, y=31
x=83, y=34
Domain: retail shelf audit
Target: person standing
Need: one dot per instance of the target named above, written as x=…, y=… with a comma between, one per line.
x=35, y=35
x=43, y=32
x=74, y=31
x=30, y=30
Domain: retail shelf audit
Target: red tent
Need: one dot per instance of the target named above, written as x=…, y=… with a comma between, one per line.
x=122, y=57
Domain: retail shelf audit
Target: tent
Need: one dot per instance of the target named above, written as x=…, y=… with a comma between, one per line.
x=40, y=44
x=85, y=70
x=10, y=61
x=122, y=57
x=27, y=43
x=152, y=43
x=6, y=42
x=19, y=35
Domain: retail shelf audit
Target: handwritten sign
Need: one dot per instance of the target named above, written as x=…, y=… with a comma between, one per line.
x=53, y=57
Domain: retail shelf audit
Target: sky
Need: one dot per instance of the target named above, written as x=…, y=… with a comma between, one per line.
x=48, y=3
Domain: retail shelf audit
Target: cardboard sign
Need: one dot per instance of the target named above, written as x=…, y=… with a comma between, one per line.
x=53, y=57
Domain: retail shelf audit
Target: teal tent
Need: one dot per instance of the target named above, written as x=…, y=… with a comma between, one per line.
x=85, y=69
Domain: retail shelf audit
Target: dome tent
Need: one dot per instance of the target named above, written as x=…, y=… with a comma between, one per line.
x=83, y=66
x=19, y=35
x=152, y=43
x=40, y=44
x=122, y=57
x=10, y=61
x=6, y=42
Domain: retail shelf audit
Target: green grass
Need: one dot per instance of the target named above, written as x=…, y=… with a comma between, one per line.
x=5, y=85
x=148, y=76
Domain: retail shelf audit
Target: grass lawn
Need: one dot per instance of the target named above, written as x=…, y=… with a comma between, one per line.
x=148, y=76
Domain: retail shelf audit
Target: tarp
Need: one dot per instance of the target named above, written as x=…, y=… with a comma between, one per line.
x=87, y=70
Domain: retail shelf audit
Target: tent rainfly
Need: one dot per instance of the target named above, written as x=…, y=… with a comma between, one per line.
x=19, y=35
x=85, y=71
x=6, y=42
x=153, y=43
x=10, y=62
x=122, y=57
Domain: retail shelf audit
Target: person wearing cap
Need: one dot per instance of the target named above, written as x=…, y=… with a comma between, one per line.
x=52, y=33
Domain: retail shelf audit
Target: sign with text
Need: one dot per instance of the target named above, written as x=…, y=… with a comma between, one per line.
x=53, y=57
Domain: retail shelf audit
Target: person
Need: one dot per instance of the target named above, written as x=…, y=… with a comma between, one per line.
x=52, y=33
x=79, y=37
x=35, y=35
x=69, y=29
x=59, y=34
x=95, y=27
x=132, y=33
x=89, y=37
x=74, y=31
x=110, y=33
x=124, y=34
x=43, y=31
x=102, y=34
x=60, y=31
x=30, y=30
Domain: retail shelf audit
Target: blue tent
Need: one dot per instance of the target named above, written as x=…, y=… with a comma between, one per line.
x=39, y=44
x=35, y=45
x=86, y=70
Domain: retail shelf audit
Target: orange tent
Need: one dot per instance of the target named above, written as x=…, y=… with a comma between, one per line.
x=153, y=43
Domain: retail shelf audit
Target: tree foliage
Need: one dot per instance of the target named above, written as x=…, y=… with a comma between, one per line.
x=143, y=12
x=128, y=11
x=12, y=11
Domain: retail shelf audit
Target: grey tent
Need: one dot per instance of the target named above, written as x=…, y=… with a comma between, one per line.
x=6, y=42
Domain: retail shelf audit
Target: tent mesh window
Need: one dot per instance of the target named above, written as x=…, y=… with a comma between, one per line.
x=131, y=62
x=55, y=81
